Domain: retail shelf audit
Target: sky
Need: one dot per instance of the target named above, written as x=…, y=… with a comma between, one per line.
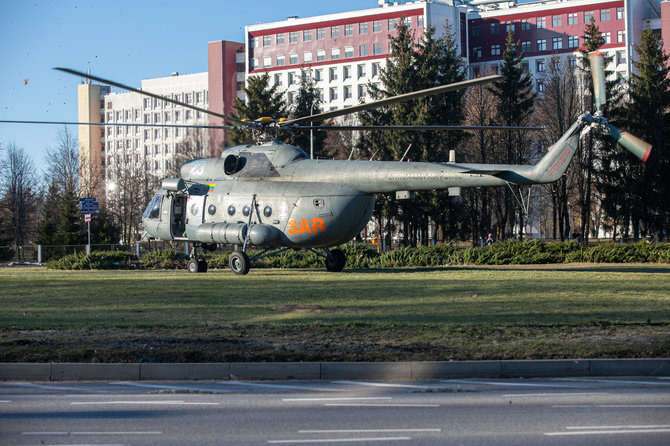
x=122, y=40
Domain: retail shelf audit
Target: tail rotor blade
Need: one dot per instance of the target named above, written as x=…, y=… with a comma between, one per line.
x=598, y=73
x=633, y=144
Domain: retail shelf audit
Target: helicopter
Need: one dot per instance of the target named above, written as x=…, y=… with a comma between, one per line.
x=273, y=196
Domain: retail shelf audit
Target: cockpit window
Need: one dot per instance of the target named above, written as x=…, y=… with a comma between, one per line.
x=154, y=209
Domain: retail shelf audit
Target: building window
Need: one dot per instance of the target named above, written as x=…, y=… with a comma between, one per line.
x=588, y=17
x=621, y=36
x=362, y=91
x=307, y=57
x=541, y=22
x=377, y=26
x=321, y=55
x=375, y=69
x=278, y=80
x=607, y=37
x=361, y=70
x=556, y=21
x=347, y=71
x=604, y=15
x=348, y=30
x=267, y=61
x=267, y=40
x=392, y=24
x=320, y=33
x=476, y=30
x=408, y=22
x=332, y=74
x=307, y=35
x=280, y=38
x=347, y=92
x=620, y=57
x=362, y=50
x=320, y=92
x=539, y=66
x=509, y=26
x=293, y=59
x=495, y=50
x=494, y=28
x=377, y=48
x=334, y=54
x=293, y=37
x=419, y=21
x=572, y=18
x=573, y=42
x=477, y=52
x=619, y=13
x=334, y=32
x=363, y=28
x=525, y=46
x=318, y=74
x=333, y=94
x=557, y=43
x=348, y=52
x=542, y=45
x=525, y=24
x=281, y=60
x=540, y=86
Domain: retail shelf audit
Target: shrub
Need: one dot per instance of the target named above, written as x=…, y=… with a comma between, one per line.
x=96, y=260
x=164, y=259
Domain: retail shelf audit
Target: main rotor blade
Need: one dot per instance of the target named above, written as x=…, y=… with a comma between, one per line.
x=127, y=124
x=410, y=127
x=393, y=100
x=152, y=95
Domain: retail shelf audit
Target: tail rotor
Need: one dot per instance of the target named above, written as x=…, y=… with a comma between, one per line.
x=633, y=144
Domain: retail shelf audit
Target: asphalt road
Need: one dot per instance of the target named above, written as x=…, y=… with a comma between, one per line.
x=571, y=411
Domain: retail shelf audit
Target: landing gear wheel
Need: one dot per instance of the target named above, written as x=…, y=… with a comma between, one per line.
x=335, y=261
x=202, y=266
x=239, y=262
x=193, y=266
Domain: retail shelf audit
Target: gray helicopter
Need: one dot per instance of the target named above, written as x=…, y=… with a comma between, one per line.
x=273, y=196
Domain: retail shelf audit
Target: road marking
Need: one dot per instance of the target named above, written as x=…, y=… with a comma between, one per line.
x=353, y=398
x=339, y=440
x=379, y=405
x=167, y=387
x=525, y=395
x=511, y=384
x=658, y=426
x=617, y=381
x=615, y=406
x=5, y=401
x=281, y=386
x=366, y=431
x=609, y=430
x=95, y=433
x=56, y=387
x=372, y=384
x=152, y=403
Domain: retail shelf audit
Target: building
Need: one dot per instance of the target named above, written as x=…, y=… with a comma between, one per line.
x=555, y=28
x=153, y=147
x=90, y=106
x=341, y=52
x=104, y=148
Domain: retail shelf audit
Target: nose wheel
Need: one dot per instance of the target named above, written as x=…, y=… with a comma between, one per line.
x=335, y=260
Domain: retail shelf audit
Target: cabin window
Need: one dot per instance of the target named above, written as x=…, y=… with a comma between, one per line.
x=153, y=211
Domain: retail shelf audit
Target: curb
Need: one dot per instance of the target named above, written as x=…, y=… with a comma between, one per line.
x=381, y=371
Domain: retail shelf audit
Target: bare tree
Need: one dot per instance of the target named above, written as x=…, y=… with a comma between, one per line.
x=193, y=146
x=63, y=162
x=18, y=198
x=557, y=109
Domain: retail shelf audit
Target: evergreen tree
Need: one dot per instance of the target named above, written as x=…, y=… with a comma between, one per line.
x=48, y=224
x=70, y=230
x=647, y=114
x=515, y=107
x=262, y=100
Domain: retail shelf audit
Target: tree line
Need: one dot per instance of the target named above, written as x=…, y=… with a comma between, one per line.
x=605, y=188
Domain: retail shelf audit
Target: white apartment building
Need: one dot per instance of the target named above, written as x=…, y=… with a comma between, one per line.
x=153, y=147
x=342, y=52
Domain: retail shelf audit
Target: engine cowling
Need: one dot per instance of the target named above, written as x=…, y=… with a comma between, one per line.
x=235, y=234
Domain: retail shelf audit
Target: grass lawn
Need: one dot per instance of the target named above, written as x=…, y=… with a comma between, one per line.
x=506, y=312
